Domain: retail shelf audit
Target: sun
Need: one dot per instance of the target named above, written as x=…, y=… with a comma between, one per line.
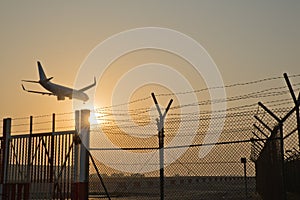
x=97, y=117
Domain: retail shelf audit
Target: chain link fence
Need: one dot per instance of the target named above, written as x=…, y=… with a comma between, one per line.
x=275, y=151
x=217, y=154
x=207, y=154
x=195, y=170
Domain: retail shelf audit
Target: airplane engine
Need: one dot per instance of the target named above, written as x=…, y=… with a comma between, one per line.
x=59, y=98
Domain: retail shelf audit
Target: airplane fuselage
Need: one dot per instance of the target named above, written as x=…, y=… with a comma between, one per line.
x=61, y=91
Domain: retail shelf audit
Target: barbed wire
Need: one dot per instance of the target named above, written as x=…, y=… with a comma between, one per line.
x=178, y=146
x=142, y=115
x=269, y=92
x=201, y=90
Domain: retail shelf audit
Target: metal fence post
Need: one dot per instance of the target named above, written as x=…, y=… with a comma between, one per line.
x=82, y=141
x=29, y=157
x=282, y=160
x=279, y=165
x=244, y=161
x=296, y=101
x=298, y=122
x=84, y=154
x=52, y=179
x=160, y=126
x=5, y=163
x=29, y=150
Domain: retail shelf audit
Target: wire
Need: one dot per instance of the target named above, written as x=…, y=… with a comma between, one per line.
x=254, y=95
x=204, y=89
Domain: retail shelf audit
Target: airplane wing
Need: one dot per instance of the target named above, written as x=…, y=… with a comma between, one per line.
x=88, y=87
x=30, y=81
x=37, y=92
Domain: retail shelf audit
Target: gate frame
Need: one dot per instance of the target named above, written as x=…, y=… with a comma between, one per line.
x=79, y=182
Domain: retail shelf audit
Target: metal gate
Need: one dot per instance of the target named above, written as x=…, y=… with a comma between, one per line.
x=40, y=166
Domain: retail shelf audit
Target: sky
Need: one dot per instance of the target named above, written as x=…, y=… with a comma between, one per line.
x=248, y=40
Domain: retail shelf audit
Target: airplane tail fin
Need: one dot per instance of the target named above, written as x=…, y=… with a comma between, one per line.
x=41, y=72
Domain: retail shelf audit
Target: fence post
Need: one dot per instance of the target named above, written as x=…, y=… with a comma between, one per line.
x=160, y=126
x=82, y=140
x=282, y=160
x=29, y=150
x=84, y=154
x=296, y=101
x=279, y=128
x=76, y=141
x=244, y=161
x=298, y=120
x=5, y=146
x=52, y=158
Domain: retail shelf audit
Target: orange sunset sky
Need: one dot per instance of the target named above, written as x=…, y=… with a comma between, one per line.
x=248, y=40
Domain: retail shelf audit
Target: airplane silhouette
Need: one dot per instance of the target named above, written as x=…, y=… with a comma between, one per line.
x=58, y=90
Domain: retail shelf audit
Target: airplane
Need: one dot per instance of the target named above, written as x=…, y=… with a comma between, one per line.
x=58, y=90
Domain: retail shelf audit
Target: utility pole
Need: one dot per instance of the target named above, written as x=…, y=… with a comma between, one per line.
x=160, y=126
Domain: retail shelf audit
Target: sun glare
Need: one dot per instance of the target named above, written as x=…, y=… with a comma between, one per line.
x=96, y=117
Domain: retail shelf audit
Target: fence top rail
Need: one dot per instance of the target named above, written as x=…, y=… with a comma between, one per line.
x=44, y=134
